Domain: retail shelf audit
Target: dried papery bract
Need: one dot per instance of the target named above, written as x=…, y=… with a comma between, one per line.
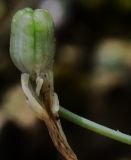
x=32, y=49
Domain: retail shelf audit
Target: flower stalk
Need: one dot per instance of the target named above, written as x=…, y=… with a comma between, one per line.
x=95, y=127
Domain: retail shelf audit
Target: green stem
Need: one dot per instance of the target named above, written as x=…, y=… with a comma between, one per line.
x=87, y=124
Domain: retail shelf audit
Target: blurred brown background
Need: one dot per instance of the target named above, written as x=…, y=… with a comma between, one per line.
x=92, y=72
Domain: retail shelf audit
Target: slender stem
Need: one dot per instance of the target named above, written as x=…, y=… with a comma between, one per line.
x=87, y=124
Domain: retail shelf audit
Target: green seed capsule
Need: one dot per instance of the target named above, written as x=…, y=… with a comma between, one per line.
x=32, y=40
